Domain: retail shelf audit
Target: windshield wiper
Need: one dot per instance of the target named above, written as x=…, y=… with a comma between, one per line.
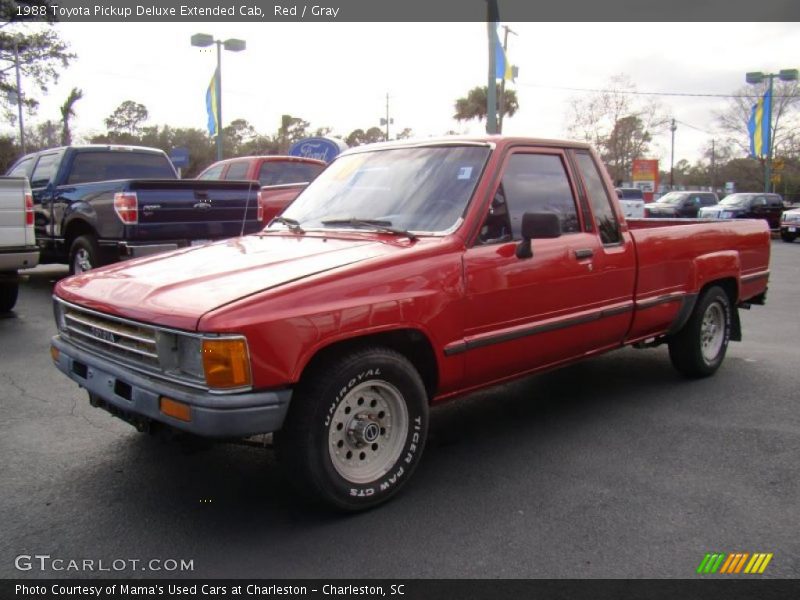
x=376, y=224
x=290, y=223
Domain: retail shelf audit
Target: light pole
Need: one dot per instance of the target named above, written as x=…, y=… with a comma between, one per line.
x=203, y=40
x=672, y=128
x=758, y=77
x=17, y=97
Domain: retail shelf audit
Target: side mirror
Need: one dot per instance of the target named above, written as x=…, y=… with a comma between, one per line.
x=537, y=226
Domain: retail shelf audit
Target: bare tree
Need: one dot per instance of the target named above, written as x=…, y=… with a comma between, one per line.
x=618, y=123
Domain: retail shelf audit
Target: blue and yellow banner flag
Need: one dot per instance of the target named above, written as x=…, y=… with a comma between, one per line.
x=502, y=68
x=759, y=126
x=211, y=105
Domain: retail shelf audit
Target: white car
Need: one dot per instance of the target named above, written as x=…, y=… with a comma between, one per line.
x=790, y=225
x=632, y=202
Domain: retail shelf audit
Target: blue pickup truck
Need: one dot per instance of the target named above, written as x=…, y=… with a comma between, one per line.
x=98, y=204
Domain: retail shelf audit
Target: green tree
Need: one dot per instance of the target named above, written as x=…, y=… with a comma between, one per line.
x=128, y=118
x=473, y=105
x=42, y=57
x=358, y=137
x=67, y=112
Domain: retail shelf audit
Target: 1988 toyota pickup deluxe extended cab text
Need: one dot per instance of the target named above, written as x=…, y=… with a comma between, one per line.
x=406, y=274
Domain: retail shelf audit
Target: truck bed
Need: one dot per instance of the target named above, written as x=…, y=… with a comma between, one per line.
x=671, y=273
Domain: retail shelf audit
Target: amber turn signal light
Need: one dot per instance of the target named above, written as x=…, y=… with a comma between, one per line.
x=226, y=362
x=175, y=409
x=55, y=353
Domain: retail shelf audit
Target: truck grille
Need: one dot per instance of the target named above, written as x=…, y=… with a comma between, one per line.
x=133, y=342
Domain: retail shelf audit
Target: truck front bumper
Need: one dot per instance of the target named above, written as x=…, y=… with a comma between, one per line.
x=136, y=397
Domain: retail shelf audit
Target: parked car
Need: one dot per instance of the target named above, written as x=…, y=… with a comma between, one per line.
x=17, y=238
x=632, y=202
x=281, y=178
x=681, y=204
x=747, y=206
x=405, y=275
x=790, y=225
x=99, y=204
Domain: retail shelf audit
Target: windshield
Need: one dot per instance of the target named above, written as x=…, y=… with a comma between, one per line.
x=631, y=194
x=736, y=200
x=671, y=198
x=414, y=189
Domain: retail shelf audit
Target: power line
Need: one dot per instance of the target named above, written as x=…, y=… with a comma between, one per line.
x=638, y=93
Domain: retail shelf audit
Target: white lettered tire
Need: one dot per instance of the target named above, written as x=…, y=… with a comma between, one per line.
x=356, y=429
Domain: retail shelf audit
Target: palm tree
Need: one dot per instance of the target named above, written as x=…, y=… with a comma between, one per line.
x=474, y=105
x=67, y=112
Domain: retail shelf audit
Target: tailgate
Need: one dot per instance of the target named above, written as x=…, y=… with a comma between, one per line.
x=194, y=209
x=12, y=213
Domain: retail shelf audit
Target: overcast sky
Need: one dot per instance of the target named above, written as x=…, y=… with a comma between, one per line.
x=338, y=74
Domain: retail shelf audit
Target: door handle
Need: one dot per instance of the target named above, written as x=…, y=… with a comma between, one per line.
x=585, y=253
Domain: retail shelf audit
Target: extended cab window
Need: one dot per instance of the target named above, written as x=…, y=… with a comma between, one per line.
x=604, y=215
x=531, y=183
x=237, y=170
x=45, y=169
x=23, y=169
x=103, y=166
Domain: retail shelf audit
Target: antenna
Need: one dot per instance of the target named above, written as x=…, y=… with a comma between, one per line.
x=246, y=206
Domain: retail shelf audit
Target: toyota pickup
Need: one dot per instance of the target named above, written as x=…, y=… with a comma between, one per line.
x=99, y=204
x=17, y=239
x=405, y=275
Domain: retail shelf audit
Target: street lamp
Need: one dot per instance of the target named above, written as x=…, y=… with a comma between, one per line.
x=203, y=40
x=757, y=77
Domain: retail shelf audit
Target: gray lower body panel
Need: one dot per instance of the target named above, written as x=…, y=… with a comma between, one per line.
x=137, y=397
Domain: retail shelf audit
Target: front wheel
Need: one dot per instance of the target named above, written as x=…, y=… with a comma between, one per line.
x=355, y=430
x=788, y=237
x=699, y=348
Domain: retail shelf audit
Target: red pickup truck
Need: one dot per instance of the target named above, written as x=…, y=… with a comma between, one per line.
x=406, y=274
x=282, y=178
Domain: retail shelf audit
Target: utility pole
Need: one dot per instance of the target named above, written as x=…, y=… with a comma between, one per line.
x=387, y=121
x=19, y=96
x=502, y=100
x=713, y=167
x=672, y=128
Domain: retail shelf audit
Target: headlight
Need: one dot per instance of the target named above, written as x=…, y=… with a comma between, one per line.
x=220, y=362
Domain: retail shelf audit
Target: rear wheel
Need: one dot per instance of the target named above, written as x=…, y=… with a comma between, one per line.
x=84, y=254
x=788, y=237
x=699, y=348
x=8, y=295
x=355, y=430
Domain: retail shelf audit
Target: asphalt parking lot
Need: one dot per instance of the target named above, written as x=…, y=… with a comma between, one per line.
x=616, y=467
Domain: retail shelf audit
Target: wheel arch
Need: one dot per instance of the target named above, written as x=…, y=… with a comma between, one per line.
x=75, y=228
x=412, y=343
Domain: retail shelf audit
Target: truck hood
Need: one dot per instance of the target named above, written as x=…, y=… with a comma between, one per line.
x=176, y=289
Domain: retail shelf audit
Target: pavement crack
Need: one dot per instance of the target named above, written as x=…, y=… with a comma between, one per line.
x=22, y=391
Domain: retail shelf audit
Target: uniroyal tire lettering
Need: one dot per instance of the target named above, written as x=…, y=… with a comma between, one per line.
x=362, y=493
x=342, y=392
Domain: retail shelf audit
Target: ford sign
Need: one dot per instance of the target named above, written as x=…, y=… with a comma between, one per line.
x=321, y=148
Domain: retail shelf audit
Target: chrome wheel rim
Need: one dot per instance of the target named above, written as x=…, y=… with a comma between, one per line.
x=82, y=262
x=712, y=332
x=368, y=431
